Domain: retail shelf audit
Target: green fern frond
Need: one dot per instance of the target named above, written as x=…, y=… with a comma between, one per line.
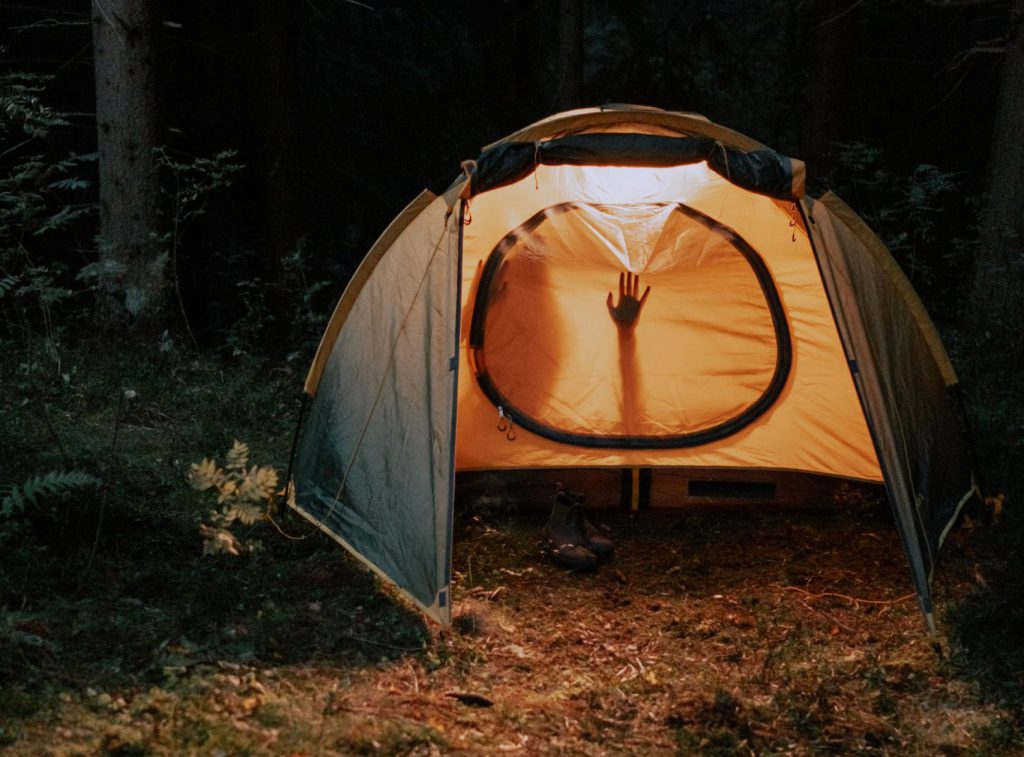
x=53, y=484
x=7, y=283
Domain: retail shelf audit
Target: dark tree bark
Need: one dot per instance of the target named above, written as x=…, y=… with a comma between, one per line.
x=997, y=296
x=278, y=135
x=829, y=52
x=278, y=148
x=133, y=286
x=568, y=63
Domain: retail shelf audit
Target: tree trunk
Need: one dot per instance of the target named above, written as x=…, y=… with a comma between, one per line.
x=997, y=296
x=133, y=285
x=568, y=65
x=278, y=152
x=829, y=53
x=278, y=135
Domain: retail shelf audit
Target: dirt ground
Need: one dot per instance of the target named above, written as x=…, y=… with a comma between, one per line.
x=728, y=632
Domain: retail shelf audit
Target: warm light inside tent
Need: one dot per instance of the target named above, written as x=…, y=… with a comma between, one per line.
x=630, y=184
x=554, y=356
x=540, y=259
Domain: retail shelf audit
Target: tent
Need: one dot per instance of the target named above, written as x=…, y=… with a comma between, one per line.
x=779, y=337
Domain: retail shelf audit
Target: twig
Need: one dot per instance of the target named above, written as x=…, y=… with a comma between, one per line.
x=106, y=17
x=415, y=679
x=376, y=643
x=328, y=706
x=834, y=620
x=286, y=535
x=17, y=146
x=838, y=16
x=106, y=488
x=856, y=600
x=959, y=727
x=992, y=47
x=175, y=238
x=54, y=434
x=46, y=23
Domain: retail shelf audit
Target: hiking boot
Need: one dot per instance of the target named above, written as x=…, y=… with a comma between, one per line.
x=596, y=541
x=593, y=538
x=566, y=538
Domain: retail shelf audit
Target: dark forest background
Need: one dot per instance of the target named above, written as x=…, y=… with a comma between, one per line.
x=185, y=179
x=334, y=114
x=186, y=186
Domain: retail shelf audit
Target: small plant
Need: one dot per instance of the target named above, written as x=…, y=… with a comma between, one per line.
x=188, y=185
x=47, y=207
x=16, y=498
x=292, y=304
x=917, y=213
x=307, y=320
x=245, y=493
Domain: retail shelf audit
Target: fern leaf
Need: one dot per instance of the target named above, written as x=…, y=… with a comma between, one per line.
x=71, y=183
x=37, y=488
x=7, y=283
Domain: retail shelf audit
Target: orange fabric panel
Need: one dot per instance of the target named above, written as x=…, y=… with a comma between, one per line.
x=703, y=349
x=816, y=424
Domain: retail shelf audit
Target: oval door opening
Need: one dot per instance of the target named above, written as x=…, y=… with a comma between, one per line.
x=708, y=352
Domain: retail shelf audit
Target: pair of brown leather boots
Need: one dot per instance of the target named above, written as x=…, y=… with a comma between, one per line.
x=574, y=542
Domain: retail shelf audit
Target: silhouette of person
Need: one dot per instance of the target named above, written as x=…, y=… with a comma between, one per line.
x=625, y=315
x=573, y=542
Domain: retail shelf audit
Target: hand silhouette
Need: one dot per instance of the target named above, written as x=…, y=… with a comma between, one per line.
x=628, y=310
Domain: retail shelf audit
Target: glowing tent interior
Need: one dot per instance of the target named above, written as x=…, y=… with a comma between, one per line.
x=778, y=337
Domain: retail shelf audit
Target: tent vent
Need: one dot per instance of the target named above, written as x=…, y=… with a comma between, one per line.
x=752, y=490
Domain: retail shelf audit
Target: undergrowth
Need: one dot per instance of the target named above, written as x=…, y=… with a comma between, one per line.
x=103, y=582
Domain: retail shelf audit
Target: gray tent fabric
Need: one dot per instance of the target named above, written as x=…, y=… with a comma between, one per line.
x=375, y=465
x=902, y=382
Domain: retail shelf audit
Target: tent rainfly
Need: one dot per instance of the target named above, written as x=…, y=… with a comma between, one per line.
x=779, y=337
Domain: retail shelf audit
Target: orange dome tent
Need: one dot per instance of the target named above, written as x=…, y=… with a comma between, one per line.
x=778, y=338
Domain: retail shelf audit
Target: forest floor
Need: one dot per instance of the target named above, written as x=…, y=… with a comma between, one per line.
x=709, y=632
